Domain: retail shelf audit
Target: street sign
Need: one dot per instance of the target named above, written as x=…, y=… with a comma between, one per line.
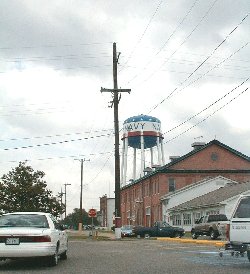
x=92, y=212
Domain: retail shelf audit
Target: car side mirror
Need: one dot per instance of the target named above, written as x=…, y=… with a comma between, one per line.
x=63, y=227
x=60, y=226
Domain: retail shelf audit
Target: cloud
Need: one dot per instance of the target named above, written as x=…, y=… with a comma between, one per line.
x=56, y=55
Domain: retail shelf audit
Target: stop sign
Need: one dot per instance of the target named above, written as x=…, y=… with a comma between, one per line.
x=92, y=212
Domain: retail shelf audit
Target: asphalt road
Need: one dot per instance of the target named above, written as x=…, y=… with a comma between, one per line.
x=138, y=256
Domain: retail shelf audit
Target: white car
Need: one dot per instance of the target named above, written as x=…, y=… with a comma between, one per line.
x=32, y=234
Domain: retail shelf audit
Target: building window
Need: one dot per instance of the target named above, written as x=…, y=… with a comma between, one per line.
x=148, y=210
x=171, y=184
x=186, y=219
x=177, y=219
x=197, y=216
x=128, y=217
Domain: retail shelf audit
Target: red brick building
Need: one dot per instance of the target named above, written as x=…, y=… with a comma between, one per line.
x=140, y=200
x=106, y=214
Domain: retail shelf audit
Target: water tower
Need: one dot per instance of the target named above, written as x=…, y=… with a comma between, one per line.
x=141, y=132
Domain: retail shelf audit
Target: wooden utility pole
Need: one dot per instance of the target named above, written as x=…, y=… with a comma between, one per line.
x=65, y=198
x=115, y=93
x=81, y=209
x=60, y=196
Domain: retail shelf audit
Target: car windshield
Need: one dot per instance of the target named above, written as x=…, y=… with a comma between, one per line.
x=163, y=224
x=24, y=220
x=243, y=210
x=127, y=227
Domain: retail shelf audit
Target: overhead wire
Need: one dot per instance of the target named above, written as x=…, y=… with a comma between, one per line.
x=214, y=67
x=164, y=45
x=143, y=34
x=184, y=40
x=56, y=158
x=207, y=117
x=215, y=102
x=199, y=66
x=56, y=143
x=53, y=136
x=203, y=120
x=54, y=46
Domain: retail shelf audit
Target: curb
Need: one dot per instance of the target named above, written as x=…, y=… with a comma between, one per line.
x=191, y=241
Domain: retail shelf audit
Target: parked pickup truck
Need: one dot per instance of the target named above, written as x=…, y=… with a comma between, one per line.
x=210, y=225
x=238, y=232
x=160, y=229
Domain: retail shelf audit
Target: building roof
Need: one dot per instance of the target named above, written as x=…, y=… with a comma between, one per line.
x=142, y=118
x=214, y=197
x=203, y=181
x=213, y=142
x=167, y=168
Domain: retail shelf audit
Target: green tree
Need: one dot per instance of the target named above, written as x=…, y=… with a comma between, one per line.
x=73, y=219
x=24, y=189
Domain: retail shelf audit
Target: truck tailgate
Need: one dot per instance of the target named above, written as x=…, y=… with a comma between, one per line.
x=222, y=229
x=240, y=230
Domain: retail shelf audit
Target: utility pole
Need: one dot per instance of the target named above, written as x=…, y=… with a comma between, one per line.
x=65, y=189
x=60, y=196
x=116, y=98
x=81, y=215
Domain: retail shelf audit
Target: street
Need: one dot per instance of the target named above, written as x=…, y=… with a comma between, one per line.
x=135, y=256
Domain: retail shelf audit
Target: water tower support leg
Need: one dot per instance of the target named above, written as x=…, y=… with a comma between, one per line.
x=142, y=154
x=159, y=151
x=134, y=165
x=125, y=161
x=122, y=163
x=162, y=153
x=152, y=156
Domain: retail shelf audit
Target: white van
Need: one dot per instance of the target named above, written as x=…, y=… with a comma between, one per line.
x=238, y=229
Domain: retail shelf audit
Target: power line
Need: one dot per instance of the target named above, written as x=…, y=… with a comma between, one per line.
x=55, y=158
x=54, y=46
x=164, y=45
x=209, y=56
x=56, y=57
x=203, y=120
x=53, y=136
x=215, y=102
x=56, y=143
x=201, y=64
x=185, y=39
x=143, y=34
x=202, y=75
x=98, y=173
x=67, y=68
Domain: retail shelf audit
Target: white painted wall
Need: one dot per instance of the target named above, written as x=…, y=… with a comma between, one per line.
x=226, y=207
x=110, y=212
x=231, y=203
x=190, y=192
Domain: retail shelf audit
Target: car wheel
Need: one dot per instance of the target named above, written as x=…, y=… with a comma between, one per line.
x=194, y=235
x=213, y=234
x=64, y=256
x=146, y=236
x=178, y=235
x=248, y=255
x=53, y=260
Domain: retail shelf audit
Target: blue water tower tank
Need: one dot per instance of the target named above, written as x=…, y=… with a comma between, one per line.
x=142, y=125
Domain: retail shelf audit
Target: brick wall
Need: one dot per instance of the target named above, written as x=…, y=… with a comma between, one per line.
x=142, y=197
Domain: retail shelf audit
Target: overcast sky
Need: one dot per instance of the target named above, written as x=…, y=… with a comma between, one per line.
x=186, y=63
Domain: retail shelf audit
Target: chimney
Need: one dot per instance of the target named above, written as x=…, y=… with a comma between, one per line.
x=173, y=158
x=198, y=145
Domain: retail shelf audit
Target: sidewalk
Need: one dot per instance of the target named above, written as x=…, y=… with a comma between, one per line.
x=110, y=235
x=96, y=233
x=192, y=241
